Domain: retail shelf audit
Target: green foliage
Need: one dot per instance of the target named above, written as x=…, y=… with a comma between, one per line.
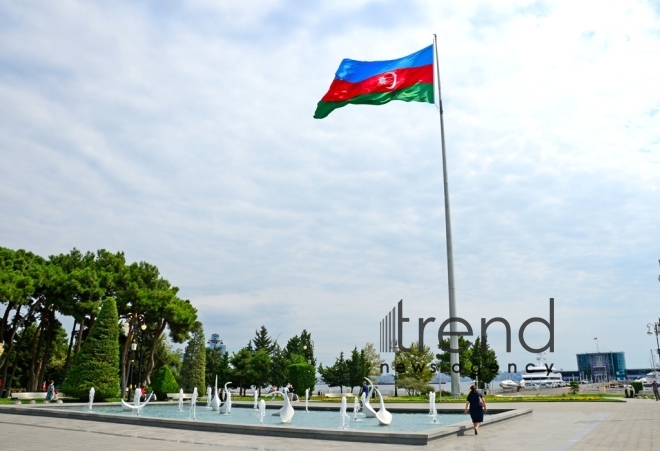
x=263, y=341
x=574, y=387
x=372, y=359
x=302, y=345
x=164, y=383
x=302, y=376
x=484, y=358
x=358, y=368
x=260, y=366
x=241, y=362
x=97, y=364
x=415, y=362
x=217, y=364
x=463, y=358
x=193, y=368
x=279, y=370
x=337, y=375
x=166, y=355
x=414, y=387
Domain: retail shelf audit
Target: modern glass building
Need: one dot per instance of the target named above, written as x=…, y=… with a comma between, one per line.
x=602, y=366
x=216, y=343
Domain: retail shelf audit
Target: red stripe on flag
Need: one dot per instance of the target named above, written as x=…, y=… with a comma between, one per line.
x=341, y=90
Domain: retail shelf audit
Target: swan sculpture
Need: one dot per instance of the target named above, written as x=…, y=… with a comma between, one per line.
x=384, y=417
x=215, y=402
x=136, y=406
x=225, y=409
x=369, y=411
x=286, y=412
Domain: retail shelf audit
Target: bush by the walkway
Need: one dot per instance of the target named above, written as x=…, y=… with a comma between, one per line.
x=164, y=383
x=97, y=363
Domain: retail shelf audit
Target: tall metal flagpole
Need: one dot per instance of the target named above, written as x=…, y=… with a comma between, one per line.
x=453, y=339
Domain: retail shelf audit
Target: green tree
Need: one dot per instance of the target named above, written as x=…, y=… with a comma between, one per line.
x=279, y=370
x=164, y=383
x=217, y=364
x=97, y=364
x=260, y=366
x=483, y=357
x=358, y=368
x=416, y=364
x=241, y=361
x=464, y=362
x=166, y=355
x=262, y=340
x=193, y=369
x=336, y=375
x=373, y=360
x=302, y=376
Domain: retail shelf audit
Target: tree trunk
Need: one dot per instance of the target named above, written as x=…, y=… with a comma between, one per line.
x=67, y=364
x=152, y=353
x=7, y=352
x=124, y=359
x=5, y=318
x=41, y=368
x=36, y=347
x=80, y=338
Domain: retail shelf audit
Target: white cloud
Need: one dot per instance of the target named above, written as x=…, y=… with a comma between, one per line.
x=182, y=134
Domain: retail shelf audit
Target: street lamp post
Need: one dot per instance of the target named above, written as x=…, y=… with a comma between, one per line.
x=133, y=348
x=654, y=328
x=394, y=346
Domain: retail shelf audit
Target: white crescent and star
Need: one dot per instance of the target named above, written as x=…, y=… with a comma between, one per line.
x=382, y=80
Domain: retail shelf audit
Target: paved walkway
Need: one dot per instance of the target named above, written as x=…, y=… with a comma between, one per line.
x=633, y=425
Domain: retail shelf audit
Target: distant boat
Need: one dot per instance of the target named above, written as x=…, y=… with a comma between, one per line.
x=509, y=384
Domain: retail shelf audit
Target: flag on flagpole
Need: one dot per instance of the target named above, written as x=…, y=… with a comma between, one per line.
x=378, y=82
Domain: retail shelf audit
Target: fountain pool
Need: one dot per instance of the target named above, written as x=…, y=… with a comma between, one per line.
x=325, y=419
x=410, y=425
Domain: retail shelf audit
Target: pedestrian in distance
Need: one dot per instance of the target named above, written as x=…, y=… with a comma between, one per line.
x=477, y=406
x=654, y=385
x=50, y=392
x=365, y=390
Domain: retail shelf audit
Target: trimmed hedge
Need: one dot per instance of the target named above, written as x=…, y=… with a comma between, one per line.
x=164, y=383
x=97, y=363
x=302, y=376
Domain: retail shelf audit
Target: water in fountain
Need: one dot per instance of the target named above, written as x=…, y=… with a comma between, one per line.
x=433, y=412
x=356, y=408
x=91, y=398
x=193, y=405
x=345, y=419
x=262, y=411
x=181, y=400
x=208, y=397
x=306, y=400
x=136, y=399
x=256, y=399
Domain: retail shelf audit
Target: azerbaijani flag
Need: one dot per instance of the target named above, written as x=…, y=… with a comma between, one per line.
x=377, y=82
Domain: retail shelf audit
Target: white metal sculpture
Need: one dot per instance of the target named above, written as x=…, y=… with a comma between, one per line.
x=286, y=412
x=256, y=399
x=384, y=417
x=225, y=409
x=306, y=400
x=369, y=411
x=215, y=402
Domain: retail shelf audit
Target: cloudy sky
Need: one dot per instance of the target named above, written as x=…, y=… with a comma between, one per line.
x=182, y=134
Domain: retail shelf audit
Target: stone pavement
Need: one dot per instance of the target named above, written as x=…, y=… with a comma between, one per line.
x=631, y=425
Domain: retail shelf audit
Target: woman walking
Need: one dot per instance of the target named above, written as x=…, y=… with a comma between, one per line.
x=477, y=407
